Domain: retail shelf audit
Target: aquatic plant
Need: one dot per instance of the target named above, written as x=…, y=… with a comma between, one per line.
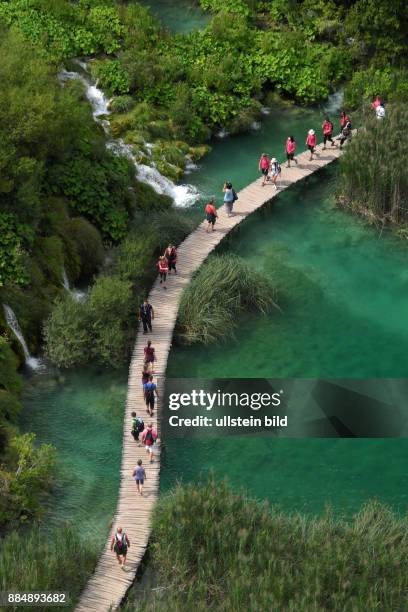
x=229, y=552
x=55, y=560
x=373, y=178
x=225, y=287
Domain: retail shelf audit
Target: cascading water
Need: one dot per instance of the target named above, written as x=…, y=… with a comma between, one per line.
x=11, y=320
x=76, y=294
x=183, y=195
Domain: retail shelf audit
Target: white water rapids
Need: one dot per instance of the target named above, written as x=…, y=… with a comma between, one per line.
x=183, y=195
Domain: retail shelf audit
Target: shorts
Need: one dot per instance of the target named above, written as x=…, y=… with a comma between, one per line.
x=211, y=218
x=311, y=149
x=171, y=264
x=149, y=448
x=265, y=171
x=120, y=550
x=139, y=481
x=290, y=156
x=275, y=174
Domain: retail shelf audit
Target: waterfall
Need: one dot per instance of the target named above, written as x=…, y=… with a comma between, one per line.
x=183, y=195
x=11, y=319
x=334, y=102
x=76, y=294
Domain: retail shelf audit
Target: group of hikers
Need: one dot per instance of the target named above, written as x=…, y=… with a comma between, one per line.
x=270, y=169
x=167, y=263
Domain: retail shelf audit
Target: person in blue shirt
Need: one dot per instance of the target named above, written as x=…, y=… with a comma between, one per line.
x=150, y=393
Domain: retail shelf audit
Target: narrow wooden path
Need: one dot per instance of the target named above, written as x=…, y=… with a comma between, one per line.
x=109, y=584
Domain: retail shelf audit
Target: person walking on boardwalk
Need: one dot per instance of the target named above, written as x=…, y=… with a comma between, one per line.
x=150, y=392
x=211, y=214
x=171, y=255
x=146, y=315
x=139, y=474
x=149, y=436
x=149, y=356
x=163, y=270
x=344, y=119
x=345, y=134
x=311, y=143
x=229, y=197
x=137, y=426
x=275, y=171
x=263, y=167
x=327, y=128
x=290, y=150
x=120, y=544
x=145, y=374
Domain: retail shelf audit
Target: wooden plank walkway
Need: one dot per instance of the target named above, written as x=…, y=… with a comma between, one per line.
x=109, y=584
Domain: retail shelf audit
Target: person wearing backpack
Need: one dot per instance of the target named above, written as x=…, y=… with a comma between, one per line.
x=149, y=436
x=327, y=128
x=120, y=544
x=139, y=474
x=171, y=255
x=211, y=214
x=345, y=134
x=229, y=197
x=137, y=426
x=275, y=171
x=150, y=391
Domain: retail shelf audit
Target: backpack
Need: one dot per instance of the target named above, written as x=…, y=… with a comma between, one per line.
x=234, y=193
x=137, y=424
x=121, y=543
x=149, y=439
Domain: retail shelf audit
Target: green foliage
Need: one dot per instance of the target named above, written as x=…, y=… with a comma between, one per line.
x=112, y=76
x=122, y=104
x=96, y=330
x=239, y=7
x=66, y=333
x=225, y=287
x=53, y=560
x=10, y=380
x=11, y=250
x=28, y=474
x=391, y=84
x=84, y=243
x=377, y=186
x=232, y=553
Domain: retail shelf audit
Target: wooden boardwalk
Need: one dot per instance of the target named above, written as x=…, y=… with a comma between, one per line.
x=109, y=584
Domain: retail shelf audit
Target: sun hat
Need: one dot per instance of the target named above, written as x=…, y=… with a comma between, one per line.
x=274, y=160
x=311, y=132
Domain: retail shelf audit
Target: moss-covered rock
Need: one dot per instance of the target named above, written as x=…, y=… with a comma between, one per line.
x=245, y=117
x=196, y=153
x=88, y=245
x=50, y=256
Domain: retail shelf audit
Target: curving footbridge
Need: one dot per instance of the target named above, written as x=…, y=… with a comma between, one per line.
x=109, y=584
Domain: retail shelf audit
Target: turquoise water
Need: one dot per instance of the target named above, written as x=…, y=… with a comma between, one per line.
x=182, y=16
x=343, y=290
x=81, y=415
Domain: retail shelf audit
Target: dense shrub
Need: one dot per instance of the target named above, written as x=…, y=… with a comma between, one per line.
x=27, y=475
x=232, y=553
x=224, y=287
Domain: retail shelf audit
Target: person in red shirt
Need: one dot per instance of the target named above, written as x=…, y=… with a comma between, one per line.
x=163, y=267
x=149, y=356
x=211, y=214
x=311, y=143
x=344, y=119
x=264, y=165
x=327, y=128
x=290, y=150
x=171, y=255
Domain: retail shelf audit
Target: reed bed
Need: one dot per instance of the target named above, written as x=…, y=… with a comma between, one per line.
x=54, y=560
x=224, y=288
x=213, y=549
x=373, y=176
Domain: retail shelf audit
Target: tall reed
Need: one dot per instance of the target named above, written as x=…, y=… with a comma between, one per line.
x=225, y=287
x=373, y=175
x=216, y=550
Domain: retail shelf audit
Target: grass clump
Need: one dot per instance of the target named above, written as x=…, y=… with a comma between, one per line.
x=56, y=561
x=373, y=176
x=225, y=287
x=215, y=550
